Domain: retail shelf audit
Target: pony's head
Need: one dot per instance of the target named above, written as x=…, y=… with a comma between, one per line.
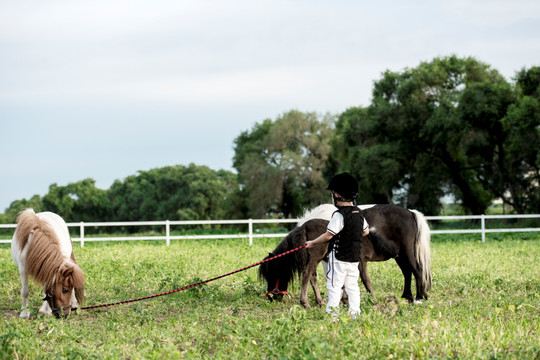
x=277, y=275
x=279, y=272
x=68, y=279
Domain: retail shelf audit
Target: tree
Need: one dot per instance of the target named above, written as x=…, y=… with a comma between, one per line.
x=79, y=201
x=413, y=142
x=11, y=213
x=280, y=164
x=519, y=166
x=173, y=193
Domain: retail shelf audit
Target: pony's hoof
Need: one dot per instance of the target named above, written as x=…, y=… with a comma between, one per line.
x=25, y=314
x=417, y=302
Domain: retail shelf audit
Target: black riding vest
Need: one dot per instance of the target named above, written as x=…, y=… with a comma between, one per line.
x=346, y=243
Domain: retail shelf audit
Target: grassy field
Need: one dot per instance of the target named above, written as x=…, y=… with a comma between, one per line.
x=485, y=303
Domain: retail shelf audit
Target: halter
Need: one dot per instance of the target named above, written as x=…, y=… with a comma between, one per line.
x=276, y=291
x=49, y=296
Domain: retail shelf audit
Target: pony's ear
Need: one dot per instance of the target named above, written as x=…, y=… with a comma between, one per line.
x=66, y=269
x=78, y=283
x=73, y=271
x=79, y=295
x=78, y=277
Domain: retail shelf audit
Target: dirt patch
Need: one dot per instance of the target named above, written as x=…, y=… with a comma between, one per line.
x=8, y=314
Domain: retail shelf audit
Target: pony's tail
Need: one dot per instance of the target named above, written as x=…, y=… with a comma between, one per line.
x=422, y=251
x=27, y=222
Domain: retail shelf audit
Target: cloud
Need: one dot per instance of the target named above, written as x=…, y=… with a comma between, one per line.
x=492, y=13
x=91, y=84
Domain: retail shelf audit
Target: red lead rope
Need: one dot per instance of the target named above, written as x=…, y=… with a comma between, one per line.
x=193, y=285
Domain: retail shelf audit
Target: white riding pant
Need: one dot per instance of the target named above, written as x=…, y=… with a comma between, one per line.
x=342, y=274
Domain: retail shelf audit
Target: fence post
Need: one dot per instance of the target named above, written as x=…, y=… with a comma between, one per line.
x=483, y=222
x=81, y=232
x=250, y=232
x=168, y=232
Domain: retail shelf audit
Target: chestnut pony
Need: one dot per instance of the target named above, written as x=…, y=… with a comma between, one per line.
x=42, y=248
x=395, y=233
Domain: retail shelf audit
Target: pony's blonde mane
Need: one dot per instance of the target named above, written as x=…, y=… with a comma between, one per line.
x=323, y=211
x=43, y=257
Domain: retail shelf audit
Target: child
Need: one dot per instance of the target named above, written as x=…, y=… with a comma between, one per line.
x=345, y=229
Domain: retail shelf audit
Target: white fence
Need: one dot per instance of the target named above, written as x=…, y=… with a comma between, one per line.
x=483, y=228
x=167, y=224
x=250, y=234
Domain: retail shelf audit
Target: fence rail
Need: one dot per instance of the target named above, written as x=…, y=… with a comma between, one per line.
x=251, y=234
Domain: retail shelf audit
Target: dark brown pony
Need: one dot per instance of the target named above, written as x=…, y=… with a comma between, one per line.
x=395, y=232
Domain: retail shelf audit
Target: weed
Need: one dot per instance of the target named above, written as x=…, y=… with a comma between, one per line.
x=485, y=303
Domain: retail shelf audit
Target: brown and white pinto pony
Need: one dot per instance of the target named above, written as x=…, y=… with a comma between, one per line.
x=42, y=248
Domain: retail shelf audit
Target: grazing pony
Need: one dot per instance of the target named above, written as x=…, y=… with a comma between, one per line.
x=42, y=248
x=395, y=232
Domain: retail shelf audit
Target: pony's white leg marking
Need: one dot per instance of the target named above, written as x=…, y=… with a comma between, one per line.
x=19, y=256
x=325, y=271
x=45, y=309
x=417, y=302
x=25, y=313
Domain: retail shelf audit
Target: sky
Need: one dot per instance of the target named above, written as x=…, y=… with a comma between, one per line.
x=104, y=89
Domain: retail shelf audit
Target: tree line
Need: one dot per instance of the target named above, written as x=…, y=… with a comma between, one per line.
x=449, y=127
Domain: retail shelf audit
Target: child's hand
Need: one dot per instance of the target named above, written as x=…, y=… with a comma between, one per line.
x=309, y=244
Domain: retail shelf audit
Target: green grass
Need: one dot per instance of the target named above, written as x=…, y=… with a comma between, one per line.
x=485, y=303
